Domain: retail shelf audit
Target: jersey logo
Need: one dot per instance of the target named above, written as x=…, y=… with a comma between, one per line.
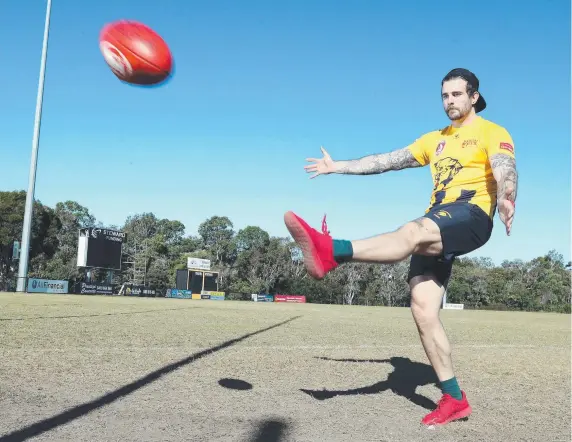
x=507, y=146
x=445, y=170
x=442, y=213
x=440, y=147
x=467, y=143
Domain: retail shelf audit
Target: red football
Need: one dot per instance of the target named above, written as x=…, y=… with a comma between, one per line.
x=135, y=53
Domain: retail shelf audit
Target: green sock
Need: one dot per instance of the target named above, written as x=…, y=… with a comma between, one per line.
x=343, y=250
x=450, y=386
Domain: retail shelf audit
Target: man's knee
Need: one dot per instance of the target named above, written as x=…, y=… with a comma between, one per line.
x=426, y=297
x=424, y=236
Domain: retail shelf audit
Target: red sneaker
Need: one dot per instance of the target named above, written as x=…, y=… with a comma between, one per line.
x=448, y=409
x=317, y=248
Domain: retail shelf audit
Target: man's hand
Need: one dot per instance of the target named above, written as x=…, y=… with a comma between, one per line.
x=506, y=209
x=320, y=166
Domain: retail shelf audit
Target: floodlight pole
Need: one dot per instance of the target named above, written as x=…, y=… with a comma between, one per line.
x=27, y=226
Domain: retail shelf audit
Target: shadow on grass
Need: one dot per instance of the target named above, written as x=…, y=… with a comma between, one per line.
x=270, y=430
x=403, y=381
x=235, y=384
x=86, y=408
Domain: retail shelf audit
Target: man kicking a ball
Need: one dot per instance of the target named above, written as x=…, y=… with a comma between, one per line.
x=474, y=173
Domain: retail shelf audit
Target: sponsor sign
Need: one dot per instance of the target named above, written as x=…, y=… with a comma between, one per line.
x=85, y=288
x=290, y=298
x=180, y=294
x=211, y=293
x=263, y=298
x=47, y=286
x=139, y=290
x=187, y=294
x=198, y=263
x=449, y=306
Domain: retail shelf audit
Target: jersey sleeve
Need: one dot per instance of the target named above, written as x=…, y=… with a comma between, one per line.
x=420, y=150
x=500, y=142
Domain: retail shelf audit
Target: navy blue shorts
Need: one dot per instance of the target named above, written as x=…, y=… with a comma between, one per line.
x=464, y=227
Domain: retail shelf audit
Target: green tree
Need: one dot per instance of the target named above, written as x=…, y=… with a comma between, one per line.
x=251, y=238
x=43, y=239
x=217, y=235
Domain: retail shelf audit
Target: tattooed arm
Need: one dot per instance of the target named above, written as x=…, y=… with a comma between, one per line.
x=504, y=171
x=379, y=163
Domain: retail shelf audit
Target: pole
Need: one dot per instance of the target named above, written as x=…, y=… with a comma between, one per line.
x=27, y=226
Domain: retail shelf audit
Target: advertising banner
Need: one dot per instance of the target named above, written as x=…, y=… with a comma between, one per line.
x=180, y=294
x=449, y=306
x=290, y=298
x=212, y=293
x=47, y=286
x=198, y=263
x=139, y=290
x=85, y=288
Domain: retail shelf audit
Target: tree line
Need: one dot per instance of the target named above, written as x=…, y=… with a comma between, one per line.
x=251, y=261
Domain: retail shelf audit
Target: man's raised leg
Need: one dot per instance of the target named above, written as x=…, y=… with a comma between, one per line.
x=420, y=234
x=322, y=253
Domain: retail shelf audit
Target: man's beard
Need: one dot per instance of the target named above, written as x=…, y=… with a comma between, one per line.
x=455, y=113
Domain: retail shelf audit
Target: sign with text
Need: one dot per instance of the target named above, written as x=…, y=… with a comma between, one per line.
x=212, y=293
x=139, y=290
x=86, y=288
x=180, y=294
x=47, y=286
x=198, y=263
x=290, y=298
x=449, y=306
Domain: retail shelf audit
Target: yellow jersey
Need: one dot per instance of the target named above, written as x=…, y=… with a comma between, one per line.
x=459, y=159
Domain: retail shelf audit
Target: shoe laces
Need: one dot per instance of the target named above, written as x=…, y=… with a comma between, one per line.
x=444, y=399
x=325, y=230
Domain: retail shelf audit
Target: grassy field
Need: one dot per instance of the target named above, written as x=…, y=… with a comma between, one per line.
x=90, y=368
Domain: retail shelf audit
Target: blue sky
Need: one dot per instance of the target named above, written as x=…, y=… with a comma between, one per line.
x=260, y=85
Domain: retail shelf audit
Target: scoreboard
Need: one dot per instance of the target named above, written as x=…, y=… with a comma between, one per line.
x=197, y=281
x=100, y=248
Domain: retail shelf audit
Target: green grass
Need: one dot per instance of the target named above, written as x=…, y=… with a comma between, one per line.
x=101, y=368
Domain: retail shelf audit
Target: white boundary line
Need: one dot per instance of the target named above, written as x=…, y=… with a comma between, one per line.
x=240, y=348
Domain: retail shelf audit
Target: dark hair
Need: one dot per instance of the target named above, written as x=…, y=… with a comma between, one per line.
x=472, y=85
x=471, y=89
